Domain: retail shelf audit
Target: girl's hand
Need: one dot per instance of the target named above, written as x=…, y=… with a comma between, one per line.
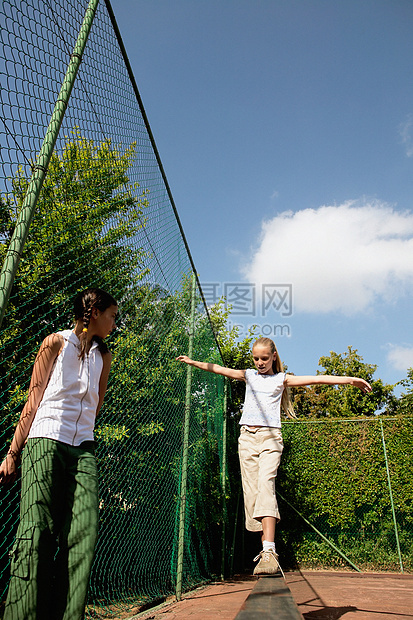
x=231, y=373
x=184, y=358
x=361, y=384
x=8, y=469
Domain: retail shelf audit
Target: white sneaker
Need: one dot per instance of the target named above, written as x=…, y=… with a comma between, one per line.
x=268, y=563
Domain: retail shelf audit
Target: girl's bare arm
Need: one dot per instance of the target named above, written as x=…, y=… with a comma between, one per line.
x=297, y=381
x=231, y=373
x=103, y=382
x=49, y=350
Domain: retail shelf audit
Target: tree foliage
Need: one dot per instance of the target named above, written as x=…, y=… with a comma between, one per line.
x=84, y=233
x=404, y=405
x=236, y=352
x=344, y=401
x=334, y=473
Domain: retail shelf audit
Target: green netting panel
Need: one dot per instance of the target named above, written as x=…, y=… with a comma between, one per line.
x=105, y=218
x=205, y=506
x=334, y=473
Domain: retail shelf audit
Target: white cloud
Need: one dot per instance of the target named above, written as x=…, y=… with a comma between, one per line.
x=405, y=132
x=337, y=258
x=401, y=358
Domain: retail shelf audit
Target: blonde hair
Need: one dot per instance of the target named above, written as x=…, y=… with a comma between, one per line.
x=277, y=366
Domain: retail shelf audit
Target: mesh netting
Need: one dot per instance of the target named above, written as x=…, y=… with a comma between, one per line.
x=105, y=217
x=352, y=481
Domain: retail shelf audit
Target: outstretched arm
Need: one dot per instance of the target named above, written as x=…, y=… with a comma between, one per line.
x=231, y=373
x=49, y=350
x=293, y=381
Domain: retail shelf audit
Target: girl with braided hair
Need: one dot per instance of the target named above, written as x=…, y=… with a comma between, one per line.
x=53, y=552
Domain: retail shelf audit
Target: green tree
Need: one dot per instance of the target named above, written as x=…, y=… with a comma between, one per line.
x=340, y=401
x=236, y=352
x=404, y=404
x=144, y=450
x=84, y=232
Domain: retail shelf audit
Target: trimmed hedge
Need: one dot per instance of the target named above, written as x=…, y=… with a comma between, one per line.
x=334, y=474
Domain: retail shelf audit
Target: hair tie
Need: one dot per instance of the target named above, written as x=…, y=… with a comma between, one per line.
x=84, y=329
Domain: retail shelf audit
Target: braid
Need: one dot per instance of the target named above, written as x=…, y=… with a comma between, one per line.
x=87, y=302
x=83, y=306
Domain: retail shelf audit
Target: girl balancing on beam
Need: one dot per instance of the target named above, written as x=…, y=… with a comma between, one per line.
x=59, y=513
x=260, y=443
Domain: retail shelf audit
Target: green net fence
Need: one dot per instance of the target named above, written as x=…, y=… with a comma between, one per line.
x=170, y=508
x=105, y=217
x=347, y=494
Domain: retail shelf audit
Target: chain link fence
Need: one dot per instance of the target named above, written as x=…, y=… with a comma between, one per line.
x=345, y=491
x=103, y=215
x=347, y=494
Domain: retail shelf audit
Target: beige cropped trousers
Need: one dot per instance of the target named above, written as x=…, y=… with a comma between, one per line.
x=260, y=451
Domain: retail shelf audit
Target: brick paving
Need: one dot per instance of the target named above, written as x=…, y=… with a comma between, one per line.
x=219, y=601
x=352, y=596
x=319, y=595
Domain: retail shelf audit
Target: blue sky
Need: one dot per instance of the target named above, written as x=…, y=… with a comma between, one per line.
x=286, y=133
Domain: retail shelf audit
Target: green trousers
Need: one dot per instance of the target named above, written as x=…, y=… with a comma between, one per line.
x=55, y=541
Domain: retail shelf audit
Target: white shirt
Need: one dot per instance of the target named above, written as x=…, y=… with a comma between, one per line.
x=67, y=410
x=262, y=403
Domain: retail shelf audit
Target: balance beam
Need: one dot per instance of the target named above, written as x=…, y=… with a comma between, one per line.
x=270, y=598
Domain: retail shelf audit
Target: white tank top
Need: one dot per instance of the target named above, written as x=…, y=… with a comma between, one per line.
x=262, y=403
x=67, y=410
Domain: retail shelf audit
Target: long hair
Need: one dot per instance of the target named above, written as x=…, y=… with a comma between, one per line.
x=277, y=366
x=83, y=305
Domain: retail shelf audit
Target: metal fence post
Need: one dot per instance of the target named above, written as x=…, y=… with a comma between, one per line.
x=391, y=498
x=184, y=476
x=18, y=240
x=234, y=535
x=224, y=479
